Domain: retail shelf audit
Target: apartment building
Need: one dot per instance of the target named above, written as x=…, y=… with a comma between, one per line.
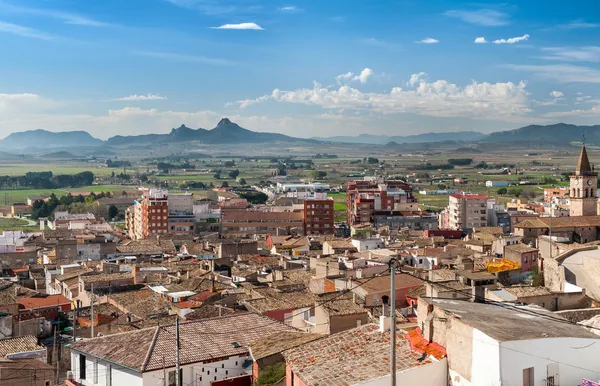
x=318, y=215
x=149, y=215
x=365, y=197
x=467, y=211
x=181, y=219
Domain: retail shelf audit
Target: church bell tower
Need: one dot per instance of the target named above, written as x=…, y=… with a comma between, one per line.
x=584, y=188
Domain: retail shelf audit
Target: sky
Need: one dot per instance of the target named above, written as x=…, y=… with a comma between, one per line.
x=304, y=68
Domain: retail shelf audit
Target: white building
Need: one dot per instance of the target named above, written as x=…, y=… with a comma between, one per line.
x=368, y=244
x=509, y=345
x=181, y=203
x=284, y=187
x=211, y=350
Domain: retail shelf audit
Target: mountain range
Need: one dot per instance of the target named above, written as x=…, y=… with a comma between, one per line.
x=466, y=136
x=227, y=132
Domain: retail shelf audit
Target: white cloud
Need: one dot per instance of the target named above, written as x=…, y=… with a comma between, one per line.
x=27, y=32
x=241, y=26
x=289, y=8
x=573, y=54
x=429, y=41
x=557, y=94
x=66, y=17
x=480, y=40
x=380, y=43
x=562, y=73
x=135, y=97
x=185, y=58
x=364, y=75
x=417, y=78
x=488, y=101
x=594, y=111
x=484, y=17
x=344, y=77
x=578, y=24
x=249, y=102
x=512, y=40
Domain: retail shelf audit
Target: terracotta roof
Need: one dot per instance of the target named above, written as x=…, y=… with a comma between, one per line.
x=142, y=303
x=21, y=344
x=523, y=292
x=383, y=283
x=273, y=300
x=201, y=340
x=340, y=305
x=280, y=342
x=10, y=292
x=150, y=246
x=560, y=222
x=341, y=244
x=521, y=248
x=416, y=292
x=469, y=196
x=350, y=357
x=209, y=311
x=419, y=344
x=43, y=302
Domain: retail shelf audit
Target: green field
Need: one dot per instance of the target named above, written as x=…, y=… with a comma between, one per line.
x=16, y=224
x=19, y=169
x=9, y=197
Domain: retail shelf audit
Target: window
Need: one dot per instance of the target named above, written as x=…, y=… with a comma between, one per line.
x=528, y=377
x=171, y=378
x=81, y=366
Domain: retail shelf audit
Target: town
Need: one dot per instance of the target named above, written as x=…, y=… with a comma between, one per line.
x=306, y=286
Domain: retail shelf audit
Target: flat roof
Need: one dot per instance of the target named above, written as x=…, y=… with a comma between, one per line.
x=510, y=322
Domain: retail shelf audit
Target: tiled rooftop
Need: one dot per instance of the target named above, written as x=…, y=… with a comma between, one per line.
x=520, y=248
x=21, y=344
x=273, y=300
x=282, y=341
x=351, y=357
x=382, y=283
x=202, y=340
x=337, y=303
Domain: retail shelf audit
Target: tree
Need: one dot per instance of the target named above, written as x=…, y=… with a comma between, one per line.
x=502, y=191
x=123, y=193
x=113, y=211
x=243, y=181
x=229, y=164
x=217, y=176
x=516, y=192
x=224, y=184
x=319, y=175
x=234, y=173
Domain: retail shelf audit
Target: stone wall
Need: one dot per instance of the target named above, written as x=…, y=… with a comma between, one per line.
x=578, y=316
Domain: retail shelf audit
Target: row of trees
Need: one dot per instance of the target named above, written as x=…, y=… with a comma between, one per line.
x=74, y=204
x=46, y=180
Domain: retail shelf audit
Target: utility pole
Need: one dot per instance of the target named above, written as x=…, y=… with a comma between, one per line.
x=92, y=310
x=178, y=380
x=393, y=323
x=75, y=321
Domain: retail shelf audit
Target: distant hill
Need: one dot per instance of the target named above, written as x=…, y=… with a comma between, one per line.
x=466, y=136
x=226, y=132
x=60, y=154
x=48, y=139
x=467, y=150
x=560, y=134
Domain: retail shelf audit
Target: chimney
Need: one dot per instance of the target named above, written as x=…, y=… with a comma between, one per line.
x=384, y=319
x=134, y=272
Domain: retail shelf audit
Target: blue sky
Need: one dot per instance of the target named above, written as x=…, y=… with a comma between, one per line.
x=304, y=68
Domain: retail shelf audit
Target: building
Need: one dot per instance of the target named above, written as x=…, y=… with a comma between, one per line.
x=364, y=198
x=579, y=229
x=552, y=194
x=247, y=221
x=149, y=215
x=285, y=187
x=496, y=184
x=26, y=372
x=181, y=214
x=415, y=220
x=509, y=345
x=212, y=350
x=318, y=215
x=524, y=255
x=20, y=210
x=467, y=211
x=584, y=187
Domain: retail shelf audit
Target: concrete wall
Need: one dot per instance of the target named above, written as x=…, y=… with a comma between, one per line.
x=579, y=315
x=554, y=275
x=559, y=301
x=339, y=323
x=433, y=374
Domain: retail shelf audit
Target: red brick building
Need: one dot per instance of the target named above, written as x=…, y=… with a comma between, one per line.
x=365, y=197
x=155, y=212
x=318, y=216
